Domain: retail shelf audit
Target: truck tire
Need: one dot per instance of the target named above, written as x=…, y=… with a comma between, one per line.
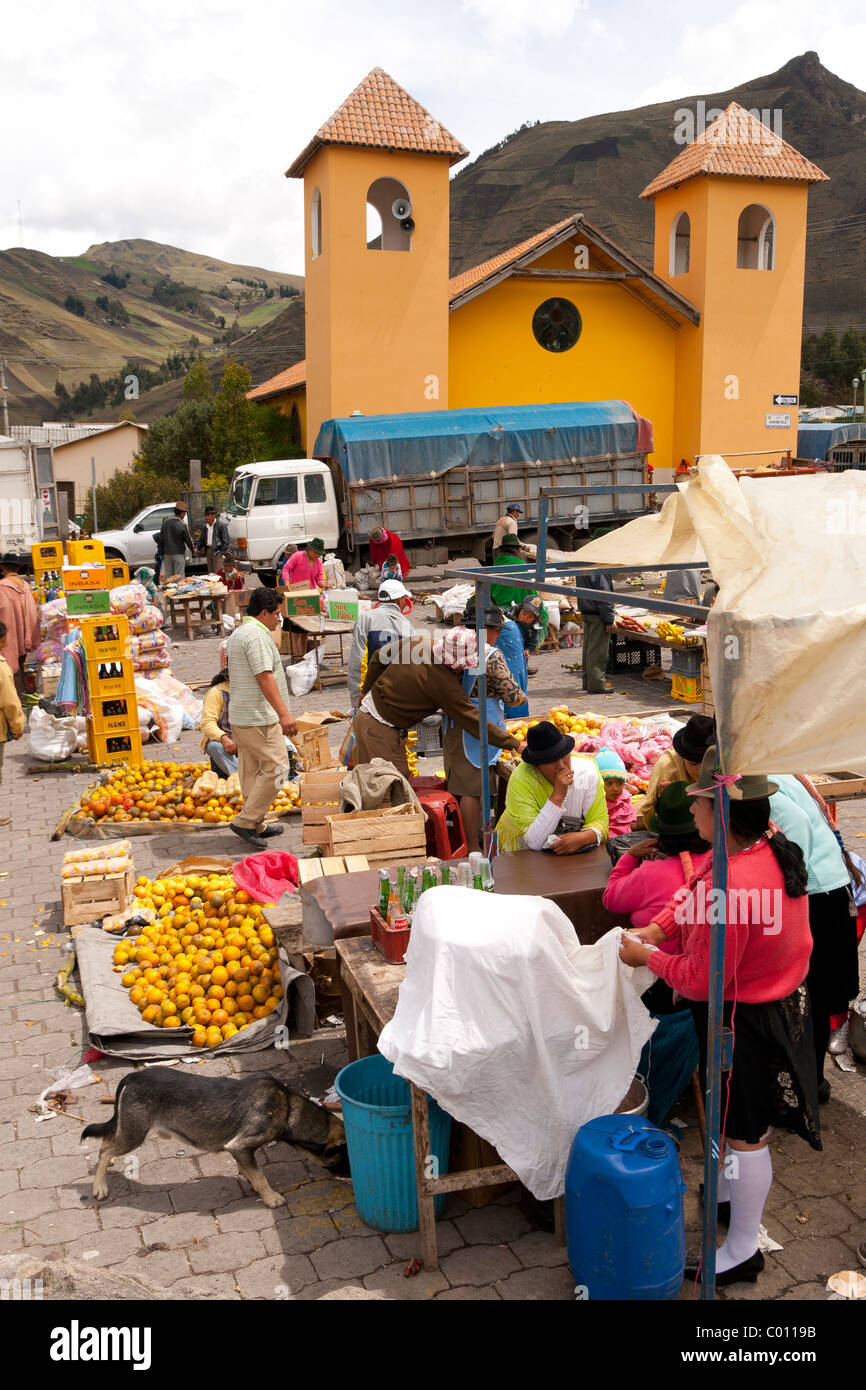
x=268, y=578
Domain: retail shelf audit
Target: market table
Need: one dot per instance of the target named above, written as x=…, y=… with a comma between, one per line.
x=370, y=986
x=198, y=619
x=575, y=882
x=326, y=627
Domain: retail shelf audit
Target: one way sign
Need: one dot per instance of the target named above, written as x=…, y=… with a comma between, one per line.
x=780, y=399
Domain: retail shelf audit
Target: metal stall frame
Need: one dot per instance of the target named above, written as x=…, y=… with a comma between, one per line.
x=719, y=1038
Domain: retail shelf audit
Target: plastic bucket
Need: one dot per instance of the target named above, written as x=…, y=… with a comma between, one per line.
x=378, y=1119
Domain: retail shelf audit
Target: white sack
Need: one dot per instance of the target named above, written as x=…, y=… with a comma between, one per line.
x=454, y=600
x=52, y=739
x=302, y=676
x=515, y=1028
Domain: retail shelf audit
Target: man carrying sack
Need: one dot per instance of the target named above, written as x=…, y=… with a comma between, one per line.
x=260, y=716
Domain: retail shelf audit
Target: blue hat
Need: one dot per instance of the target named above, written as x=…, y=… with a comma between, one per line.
x=610, y=764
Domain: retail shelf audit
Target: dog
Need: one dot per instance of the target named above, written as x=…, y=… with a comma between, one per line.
x=214, y=1113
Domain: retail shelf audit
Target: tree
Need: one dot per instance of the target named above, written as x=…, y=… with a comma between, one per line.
x=126, y=492
x=74, y=305
x=198, y=385
x=279, y=434
x=172, y=441
x=235, y=438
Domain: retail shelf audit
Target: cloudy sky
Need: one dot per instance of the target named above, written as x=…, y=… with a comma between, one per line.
x=175, y=121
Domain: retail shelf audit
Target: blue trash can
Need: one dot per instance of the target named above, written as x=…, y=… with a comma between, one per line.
x=378, y=1119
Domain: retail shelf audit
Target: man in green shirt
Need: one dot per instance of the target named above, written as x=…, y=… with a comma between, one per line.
x=260, y=716
x=510, y=553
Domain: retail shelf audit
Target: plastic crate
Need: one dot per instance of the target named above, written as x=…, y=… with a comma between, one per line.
x=105, y=678
x=106, y=638
x=391, y=943
x=87, y=552
x=625, y=654
x=429, y=735
x=686, y=661
x=47, y=555
x=687, y=688
x=117, y=572
x=115, y=714
x=115, y=747
x=91, y=576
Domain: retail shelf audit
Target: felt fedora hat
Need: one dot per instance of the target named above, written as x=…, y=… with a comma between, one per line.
x=695, y=737
x=673, y=813
x=749, y=787
x=493, y=616
x=317, y=545
x=510, y=544
x=545, y=744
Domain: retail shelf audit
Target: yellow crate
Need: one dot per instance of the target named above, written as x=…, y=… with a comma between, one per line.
x=47, y=555
x=118, y=573
x=106, y=638
x=115, y=747
x=115, y=714
x=107, y=678
x=88, y=552
x=687, y=689
x=91, y=576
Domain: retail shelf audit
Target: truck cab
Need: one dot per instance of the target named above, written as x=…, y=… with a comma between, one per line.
x=282, y=503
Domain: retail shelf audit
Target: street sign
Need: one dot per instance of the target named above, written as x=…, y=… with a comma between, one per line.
x=777, y=422
x=780, y=399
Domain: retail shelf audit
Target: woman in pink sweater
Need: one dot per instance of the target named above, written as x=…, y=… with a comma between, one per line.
x=645, y=879
x=767, y=946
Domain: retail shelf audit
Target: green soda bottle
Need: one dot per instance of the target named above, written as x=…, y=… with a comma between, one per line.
x=384, y=892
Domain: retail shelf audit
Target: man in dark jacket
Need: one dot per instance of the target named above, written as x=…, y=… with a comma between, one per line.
x=174, y=541
x=597, y=627
x=212, y=539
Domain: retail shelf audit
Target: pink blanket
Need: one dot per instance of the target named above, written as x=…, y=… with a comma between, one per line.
x=266, y=877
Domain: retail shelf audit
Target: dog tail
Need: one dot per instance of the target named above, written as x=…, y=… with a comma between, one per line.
x=109, y=1128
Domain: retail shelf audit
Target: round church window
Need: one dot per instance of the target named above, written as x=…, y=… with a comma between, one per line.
x=556, y=325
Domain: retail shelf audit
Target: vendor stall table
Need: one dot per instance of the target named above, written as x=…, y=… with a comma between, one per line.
x=370, y=986
x=193, y=612
x=327, y=627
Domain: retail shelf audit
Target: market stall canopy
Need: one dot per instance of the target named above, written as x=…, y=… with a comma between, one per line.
x=787, y=634
x=662, y=538
x=371, y=447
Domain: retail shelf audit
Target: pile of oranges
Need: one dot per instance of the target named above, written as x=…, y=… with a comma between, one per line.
x=157, y=791
x=208, y=960
x=577, y=724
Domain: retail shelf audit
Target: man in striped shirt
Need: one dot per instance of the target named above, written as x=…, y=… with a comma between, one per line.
x=260, y=716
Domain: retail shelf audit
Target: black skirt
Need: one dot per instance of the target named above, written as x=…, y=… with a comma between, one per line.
x=773, y=1080
x=833, y=977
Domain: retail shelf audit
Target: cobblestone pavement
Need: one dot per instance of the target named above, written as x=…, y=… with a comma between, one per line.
x=188, y=1225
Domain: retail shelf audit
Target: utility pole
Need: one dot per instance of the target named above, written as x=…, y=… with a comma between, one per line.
x=3, y=394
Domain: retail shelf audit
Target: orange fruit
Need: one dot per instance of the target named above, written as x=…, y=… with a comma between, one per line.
x=214, y=1037
x=260, y=993
x=150, y=1013
x=246, y=1003
x=260, y=1012
x=199, y=1037
x=219, y=1017
x=171, y=1022
x=220, y=975
x=230, y=1007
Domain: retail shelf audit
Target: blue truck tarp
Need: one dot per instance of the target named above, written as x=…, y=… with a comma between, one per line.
x=369, y=447
x=816, y=441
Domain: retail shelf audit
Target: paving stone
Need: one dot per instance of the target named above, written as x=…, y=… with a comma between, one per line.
x=405, y=1245
x=538, y=1248
x=220, y=1165
x=318, y=1197
x=772, y=1282
x=13, y=1068
x=339, y=1291
x=158, y=1266
x=8, y=1182
x=299, y=1235
x=174, y=1173
x=142, y=1208
x=815, y=1258
x=284, y=1174
x=111, y=1247
x=805, y=1293
x=22, y=1152
x=207, y=1286
x=478, y=1264
x=51, y=1172
x=419, y=1288
x=218, y=1254
x=493, y=1225
x=59, y=1226
x=179, y=1232
x=351, y=1257
x=538, y=1283
x=248, y=1214
x=66, y=1142
x=347, y=1220
x=45, y=1044
x=276, y=1277
x=206, y=1194
x=468, y=1295
x=827, y=1216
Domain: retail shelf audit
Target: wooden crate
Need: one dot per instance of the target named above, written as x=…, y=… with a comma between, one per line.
x=310, y=869
x=708, y=704
x=87, y=898
x=320, y=798
x=392, y=835
x=315, y=748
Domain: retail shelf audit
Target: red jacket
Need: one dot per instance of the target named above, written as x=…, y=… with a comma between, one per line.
x=391, y=545
x=767, y=940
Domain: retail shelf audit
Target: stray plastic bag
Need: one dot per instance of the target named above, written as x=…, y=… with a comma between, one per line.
x=167, y=711
x=51, y=739
x=228, y=624
x=302, y=676
x=63, y=1080
x=206, y=783
x=335, y=574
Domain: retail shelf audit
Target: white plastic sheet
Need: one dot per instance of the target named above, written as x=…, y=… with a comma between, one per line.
x=515, y=1028
x=787, y=635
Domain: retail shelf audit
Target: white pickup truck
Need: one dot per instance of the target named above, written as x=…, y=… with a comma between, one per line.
x=136, y=541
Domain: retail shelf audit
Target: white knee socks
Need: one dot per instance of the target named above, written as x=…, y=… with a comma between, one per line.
x=748, y=1193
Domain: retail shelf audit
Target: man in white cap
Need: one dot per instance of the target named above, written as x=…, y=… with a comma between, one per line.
x=386, y=620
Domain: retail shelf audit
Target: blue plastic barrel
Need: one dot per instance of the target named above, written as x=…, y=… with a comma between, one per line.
x=624, y=1210
x=378, y=1119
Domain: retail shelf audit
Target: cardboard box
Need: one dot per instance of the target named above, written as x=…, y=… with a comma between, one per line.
x=301, y=603
x=342, y=610
x=315, y=748
x=314, y=719
x=81, y=602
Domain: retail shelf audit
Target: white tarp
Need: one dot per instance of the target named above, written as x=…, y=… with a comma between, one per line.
x=787, y=634
x=515, y=1028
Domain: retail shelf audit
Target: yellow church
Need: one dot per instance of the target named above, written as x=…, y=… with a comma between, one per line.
x=706, y=345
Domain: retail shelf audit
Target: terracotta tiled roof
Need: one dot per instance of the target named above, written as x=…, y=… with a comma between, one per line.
x=381, y=115
x=283, y=381
x=467, y=278
x=737, y=145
